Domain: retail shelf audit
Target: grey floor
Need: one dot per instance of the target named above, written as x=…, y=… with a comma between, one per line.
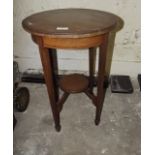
x=117, y=134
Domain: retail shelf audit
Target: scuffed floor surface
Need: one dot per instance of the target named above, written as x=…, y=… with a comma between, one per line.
x=117, y=134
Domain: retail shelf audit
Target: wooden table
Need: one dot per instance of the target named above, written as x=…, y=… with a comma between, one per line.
x=71, y=29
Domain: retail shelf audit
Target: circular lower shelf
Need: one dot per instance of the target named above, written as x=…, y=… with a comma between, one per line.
x=74, y=83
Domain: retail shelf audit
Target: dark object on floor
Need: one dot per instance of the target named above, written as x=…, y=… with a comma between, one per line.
x=39, y=78
x=139, y=80
x=121, y=84
x=21, y=98
x=34, y=78
x=14, y=121
x=20, y=94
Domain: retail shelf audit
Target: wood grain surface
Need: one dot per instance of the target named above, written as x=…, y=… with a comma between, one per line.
x=70, y=23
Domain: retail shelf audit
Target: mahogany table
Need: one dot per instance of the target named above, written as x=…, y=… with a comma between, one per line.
x=71, y=29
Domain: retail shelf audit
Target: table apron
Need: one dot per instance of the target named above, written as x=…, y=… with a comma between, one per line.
x=76, y=43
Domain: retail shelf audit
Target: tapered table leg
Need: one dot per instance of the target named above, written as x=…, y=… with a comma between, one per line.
x=48, y=68
x=54, y=63
x=100, y=81
x=92, y=61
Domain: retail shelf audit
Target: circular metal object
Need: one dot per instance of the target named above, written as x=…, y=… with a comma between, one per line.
x=22, y=98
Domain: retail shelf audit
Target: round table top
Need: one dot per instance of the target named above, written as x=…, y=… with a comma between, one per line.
x=70, y=23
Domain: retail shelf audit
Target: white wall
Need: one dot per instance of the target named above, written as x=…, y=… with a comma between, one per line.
x=126, y=57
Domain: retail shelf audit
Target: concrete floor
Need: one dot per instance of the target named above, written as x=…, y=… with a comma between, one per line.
x=118, y=133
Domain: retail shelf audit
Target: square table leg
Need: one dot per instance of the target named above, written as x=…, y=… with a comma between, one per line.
x=92, y=62
x=54, y=63
x=100, y=79
x=48, y=67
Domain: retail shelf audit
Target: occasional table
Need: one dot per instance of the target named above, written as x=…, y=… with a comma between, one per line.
x=71, y=29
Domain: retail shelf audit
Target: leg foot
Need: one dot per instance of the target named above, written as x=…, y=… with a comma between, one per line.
x=58, y=128
x=98, y=115
x=97, y=121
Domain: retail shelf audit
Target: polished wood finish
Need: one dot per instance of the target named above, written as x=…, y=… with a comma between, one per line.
x=62, y=101
x=72, y=28
x=49, y=79
x=74, y=83
x=92, y=63
x=73, y=42
x=70, y=23
x=67, y=43
x=54, y=64
x=100, y=81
